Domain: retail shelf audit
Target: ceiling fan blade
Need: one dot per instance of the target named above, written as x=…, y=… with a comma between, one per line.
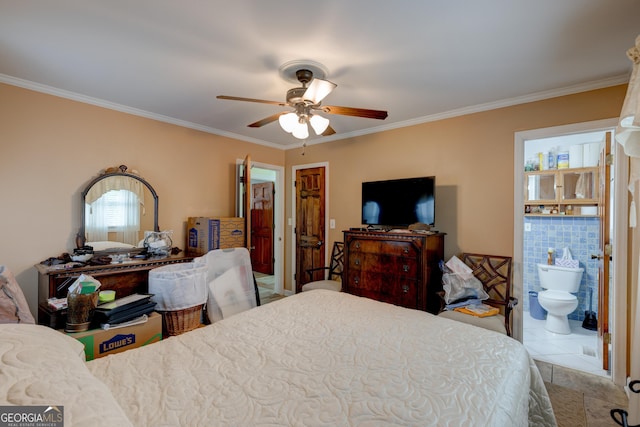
x=262, y=101
x=357, y=112
x=318, y=89
x=266, y=120
x=328, y=131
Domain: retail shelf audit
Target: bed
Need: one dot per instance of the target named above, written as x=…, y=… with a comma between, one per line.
x=317, y=358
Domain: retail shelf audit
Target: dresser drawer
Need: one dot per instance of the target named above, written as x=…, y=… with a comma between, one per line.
x=386, y=287
x=383, y=263
x=384, y=247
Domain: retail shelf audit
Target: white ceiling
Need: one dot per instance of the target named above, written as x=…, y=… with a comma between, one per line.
x=419, y=60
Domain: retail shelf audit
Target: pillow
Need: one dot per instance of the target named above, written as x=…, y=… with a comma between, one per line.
x=104, y=246
x=41, y=366
x=13, y=305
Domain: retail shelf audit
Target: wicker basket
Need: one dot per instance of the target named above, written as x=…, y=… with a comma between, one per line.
x=180, y=321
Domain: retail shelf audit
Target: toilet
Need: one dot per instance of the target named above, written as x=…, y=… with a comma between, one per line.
x=557, y=298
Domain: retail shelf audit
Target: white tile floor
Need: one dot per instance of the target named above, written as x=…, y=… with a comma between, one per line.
x=578, y=350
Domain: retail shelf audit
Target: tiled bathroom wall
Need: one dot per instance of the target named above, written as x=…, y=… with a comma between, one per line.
x=580, y=235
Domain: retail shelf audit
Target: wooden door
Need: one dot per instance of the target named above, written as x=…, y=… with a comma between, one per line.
x=310, y=222
x=604, y=255
x=262, y=227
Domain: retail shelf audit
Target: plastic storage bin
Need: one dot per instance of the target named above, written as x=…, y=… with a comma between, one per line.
x=535, y=309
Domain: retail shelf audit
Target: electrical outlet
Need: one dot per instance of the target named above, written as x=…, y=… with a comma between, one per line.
x=527, y=226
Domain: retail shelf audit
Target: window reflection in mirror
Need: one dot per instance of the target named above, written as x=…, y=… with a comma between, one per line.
x=115, y=210
x=118, y=208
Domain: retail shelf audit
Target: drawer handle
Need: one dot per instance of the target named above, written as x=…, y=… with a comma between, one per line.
x=357, y=261
x=406, y=250
x=356, y=280
x=357, y=245
x=405, y=288
x=405, y=268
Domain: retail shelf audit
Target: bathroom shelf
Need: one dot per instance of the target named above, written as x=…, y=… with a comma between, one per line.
x=562, y=192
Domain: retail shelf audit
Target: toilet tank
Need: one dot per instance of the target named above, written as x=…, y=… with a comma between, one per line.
x=558, y=278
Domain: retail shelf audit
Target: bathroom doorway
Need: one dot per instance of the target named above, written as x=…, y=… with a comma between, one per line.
x=565, y=228
x=266, y=210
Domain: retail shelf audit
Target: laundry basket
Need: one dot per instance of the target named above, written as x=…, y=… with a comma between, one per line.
x=180, y=291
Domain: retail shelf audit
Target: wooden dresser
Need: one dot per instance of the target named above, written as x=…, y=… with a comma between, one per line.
x=126, y=279
x=400, y=268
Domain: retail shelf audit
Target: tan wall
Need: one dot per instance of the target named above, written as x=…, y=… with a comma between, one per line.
x=471, y=157
x=51, y=147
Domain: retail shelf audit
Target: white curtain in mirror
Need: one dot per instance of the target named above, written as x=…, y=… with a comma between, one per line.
x=96, y=221
x=116, y=212
x=131, y=226
x=115, y=183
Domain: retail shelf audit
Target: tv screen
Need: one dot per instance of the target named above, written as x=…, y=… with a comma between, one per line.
x=399, y=202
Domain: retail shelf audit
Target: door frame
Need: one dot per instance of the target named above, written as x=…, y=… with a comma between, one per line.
x=618, y=325
x=278, y=218
x=292, y=220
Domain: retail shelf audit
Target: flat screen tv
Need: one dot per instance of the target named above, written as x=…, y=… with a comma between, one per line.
x=399, y=202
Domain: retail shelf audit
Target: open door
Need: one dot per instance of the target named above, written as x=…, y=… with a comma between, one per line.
x=604, y=255
x=310, y=222
x=245, y=183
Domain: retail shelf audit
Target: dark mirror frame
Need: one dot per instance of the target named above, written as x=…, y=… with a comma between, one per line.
x=81, y=238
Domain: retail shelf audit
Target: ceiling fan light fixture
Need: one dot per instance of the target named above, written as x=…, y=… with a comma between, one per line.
x=319, y=124
x=288, y=122
x=318, y=90
x=301, y=130
x=305, y=100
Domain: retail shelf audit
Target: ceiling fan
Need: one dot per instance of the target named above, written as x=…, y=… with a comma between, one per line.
x=306, y=102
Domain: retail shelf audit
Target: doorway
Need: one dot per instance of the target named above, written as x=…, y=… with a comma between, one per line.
x=535, y=232
x=266, y=206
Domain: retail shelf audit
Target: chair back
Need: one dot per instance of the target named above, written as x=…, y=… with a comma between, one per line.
x=230, y=283
x=495, y=274
x=337, y=261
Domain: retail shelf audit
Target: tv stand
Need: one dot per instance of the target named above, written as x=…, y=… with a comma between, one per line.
x=394, y=267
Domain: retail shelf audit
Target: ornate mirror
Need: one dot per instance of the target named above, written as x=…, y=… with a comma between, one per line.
x=117, y=208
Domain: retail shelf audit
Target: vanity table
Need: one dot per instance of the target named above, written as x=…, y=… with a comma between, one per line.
x=125, y=278
x=118, y=209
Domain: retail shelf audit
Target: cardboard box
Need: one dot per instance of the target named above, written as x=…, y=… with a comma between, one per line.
x=205, y=234
x=100, y=342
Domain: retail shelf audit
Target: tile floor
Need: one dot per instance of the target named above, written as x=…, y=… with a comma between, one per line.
x=581, y=399
x=576, y=350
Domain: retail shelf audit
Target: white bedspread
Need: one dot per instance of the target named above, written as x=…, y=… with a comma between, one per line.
x=324, y=358
x=41, y=366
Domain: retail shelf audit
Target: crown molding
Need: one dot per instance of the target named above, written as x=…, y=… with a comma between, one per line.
x=538, y=96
